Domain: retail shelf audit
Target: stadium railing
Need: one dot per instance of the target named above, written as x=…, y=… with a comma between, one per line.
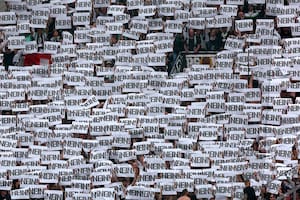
x=186, y=59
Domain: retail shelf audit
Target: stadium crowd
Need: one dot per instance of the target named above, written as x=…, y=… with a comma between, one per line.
x=99, y=116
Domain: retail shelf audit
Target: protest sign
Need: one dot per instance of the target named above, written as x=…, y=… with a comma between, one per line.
x=8, y=18
x=16, y=42
x=244, y=25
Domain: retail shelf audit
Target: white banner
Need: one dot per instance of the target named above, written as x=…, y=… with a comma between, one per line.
x=229, y=10
x=82, y=18
x=173, y=26
x=147, y=11
x=197, y=23
x=16, y=42
x=23, y=27
x=244, y=25
x=63, y=22
x=83, y=5
x=285, y=20
x=8, y=18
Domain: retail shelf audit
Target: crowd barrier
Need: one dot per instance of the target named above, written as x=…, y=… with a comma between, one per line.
x=187, y=59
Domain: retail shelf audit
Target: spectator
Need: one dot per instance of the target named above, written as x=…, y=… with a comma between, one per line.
x=202, y=36
x=262, y=12
x=114, y=39
x=136, y=169
x=192, y=44
x=252, y=14
x=192, y=196
x=17, y=57
x=294, y=153
x=16, y=184
x=50, y=28
x=224, y=35
x=263, y=193
x=273, y=196
x=285, y=32
x=28, y=37
x=55, y=36
x=249, y=193
x=213, y=43
x=184, y=195
x=8, y=58
x=40, y=37
x=3, y=42
x=4, y=195
x=240, y=15
x=178, y=46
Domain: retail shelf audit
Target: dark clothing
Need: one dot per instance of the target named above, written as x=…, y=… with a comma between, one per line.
x=192, y=43
x=8, y=59
x=178, y=44
x=285, y=32
x=223, y=36
x=40, y=42
x=250, y=193
x=265, y=196
x=213, y=45
x=6, y=197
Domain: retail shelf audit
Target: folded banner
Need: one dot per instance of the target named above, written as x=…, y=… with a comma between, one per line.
x=37, y=59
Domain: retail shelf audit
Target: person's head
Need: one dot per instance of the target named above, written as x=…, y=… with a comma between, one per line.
x=3, y=193
x=273, y=197
x=250, y=8
x=39, y=31
x=113, y=39
x=192, y=196
x=140, y=158
x=224, y=29
x=16, y=183
x=247, y=183
x=184, y=192
x=109, y=63
x=241, y=15
x=191, y=32
x=55, y=33
x=263, y=189
x=213, y=33
x=285, y=30
x=103, y=10
x=179, y=35
x=255, y=146
x=167, y=164
x=126, y=181
x=199, y=32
